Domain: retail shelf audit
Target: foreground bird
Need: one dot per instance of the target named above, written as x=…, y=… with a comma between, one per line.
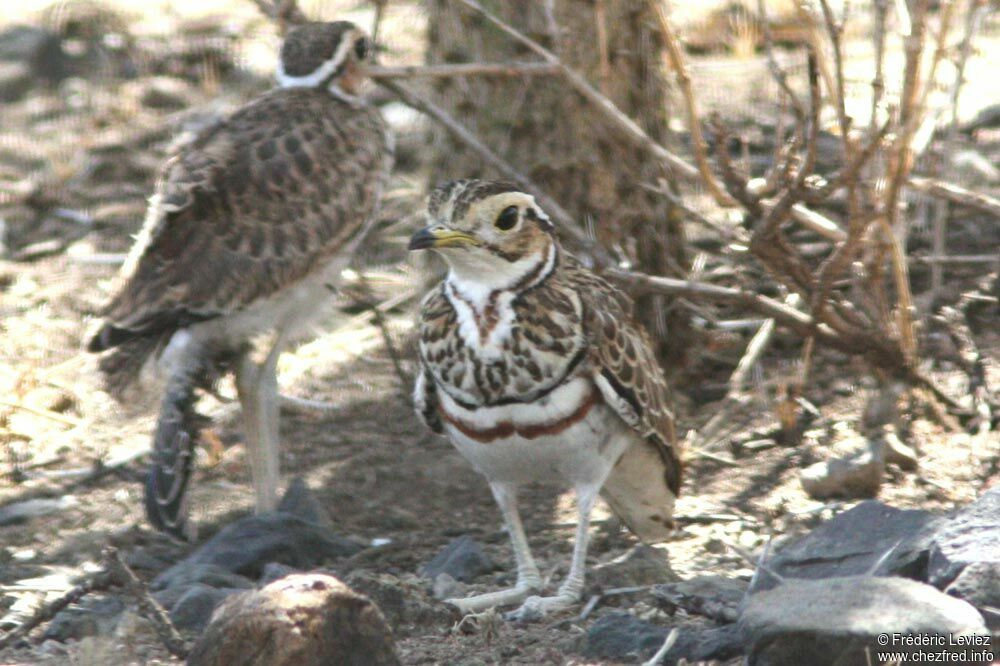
x=536, y=370
x=250, y=227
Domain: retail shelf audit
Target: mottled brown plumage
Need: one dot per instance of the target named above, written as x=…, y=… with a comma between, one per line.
x=536, y=368
x=250, y=225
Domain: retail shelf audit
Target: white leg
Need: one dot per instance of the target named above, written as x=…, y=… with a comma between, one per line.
x=529, y=580
x=535, y=608
x=257, y=386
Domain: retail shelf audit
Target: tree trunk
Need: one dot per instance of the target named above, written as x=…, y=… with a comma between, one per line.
x=552, y=135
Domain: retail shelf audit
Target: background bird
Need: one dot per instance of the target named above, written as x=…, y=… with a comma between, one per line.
x=536, y=370
x=250, y=227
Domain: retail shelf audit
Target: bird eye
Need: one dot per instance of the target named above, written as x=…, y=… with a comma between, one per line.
x=361, y=48
x=507, y=218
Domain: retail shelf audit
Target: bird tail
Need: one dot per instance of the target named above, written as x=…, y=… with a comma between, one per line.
x=641, y=490
x=170, y=470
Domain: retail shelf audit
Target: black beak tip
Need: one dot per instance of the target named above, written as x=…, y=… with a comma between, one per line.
x=421, y=240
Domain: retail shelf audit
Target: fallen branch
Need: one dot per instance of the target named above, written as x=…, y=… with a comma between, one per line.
x=150, y=608
x=381, y=72
x=45, y=413
x=956, y=194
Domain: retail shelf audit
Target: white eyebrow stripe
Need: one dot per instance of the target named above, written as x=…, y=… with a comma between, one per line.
x=321, y=73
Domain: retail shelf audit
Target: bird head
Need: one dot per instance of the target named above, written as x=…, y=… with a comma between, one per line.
x=324, y=55
x=489, y=232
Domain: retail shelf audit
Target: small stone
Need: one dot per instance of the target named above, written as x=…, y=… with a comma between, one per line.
x=623, y=636
x=834, y=621
x=19, y=512
x=979, y=584
x=446, y=587
x=38, y=48
x=643, y=565
x=857, y=476
x=972, y=535
x=165, y=93
x=300, y=620
x=463, y=559
x=194, y=608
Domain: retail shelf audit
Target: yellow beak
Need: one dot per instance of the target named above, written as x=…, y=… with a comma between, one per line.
x=438, y=237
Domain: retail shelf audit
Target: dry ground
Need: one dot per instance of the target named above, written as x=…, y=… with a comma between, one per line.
x=85, y=154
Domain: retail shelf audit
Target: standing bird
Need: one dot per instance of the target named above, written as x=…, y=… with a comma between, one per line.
x=536, y=370
x=249, y=229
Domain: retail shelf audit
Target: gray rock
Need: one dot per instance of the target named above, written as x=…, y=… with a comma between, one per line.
x=972, y=535
x=300, y=620
x=853, y=541
x=406, y=606
x=212, y=575
x=621, y=636
x=194, y=608
x=143, y=560
x=854, y=476
x=244, y=547
x=979, y=584
x=833, y=621
x=19, y=512
x=643, y=565
x=463, y=559
x=39, y=49
x=15, y=81
x=300, y=502
x=446, y=587
x=92, y=616
x=165, y=92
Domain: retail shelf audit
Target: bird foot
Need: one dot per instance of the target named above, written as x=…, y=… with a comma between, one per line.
x=482, y=602
x=536, y=608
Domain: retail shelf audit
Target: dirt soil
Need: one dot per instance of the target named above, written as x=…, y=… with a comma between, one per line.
x=77, y=161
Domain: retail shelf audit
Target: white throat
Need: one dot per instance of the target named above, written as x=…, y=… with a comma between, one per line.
x=484, y=307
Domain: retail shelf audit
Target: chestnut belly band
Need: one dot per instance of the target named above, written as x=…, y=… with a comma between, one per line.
x=505, y=429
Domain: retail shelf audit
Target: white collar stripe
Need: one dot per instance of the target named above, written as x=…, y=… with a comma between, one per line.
x=320, y=74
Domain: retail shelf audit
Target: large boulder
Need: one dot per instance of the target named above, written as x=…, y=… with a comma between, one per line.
x=300, y=620
x=835, y=621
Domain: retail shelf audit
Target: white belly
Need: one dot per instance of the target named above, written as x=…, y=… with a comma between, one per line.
x=582, y=453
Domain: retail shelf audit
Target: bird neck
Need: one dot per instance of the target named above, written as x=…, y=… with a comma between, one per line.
x=479, y=284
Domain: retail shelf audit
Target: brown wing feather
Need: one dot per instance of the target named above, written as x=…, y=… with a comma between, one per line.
x=436, y=328
x=620, y=350
x=254, y=204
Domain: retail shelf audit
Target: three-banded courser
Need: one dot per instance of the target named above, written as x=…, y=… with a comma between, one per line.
x=250, y=226
x=536, y=369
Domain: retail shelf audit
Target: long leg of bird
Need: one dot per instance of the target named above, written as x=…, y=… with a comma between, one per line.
x=535, y=608
x=257, y=386
x=529, y=580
